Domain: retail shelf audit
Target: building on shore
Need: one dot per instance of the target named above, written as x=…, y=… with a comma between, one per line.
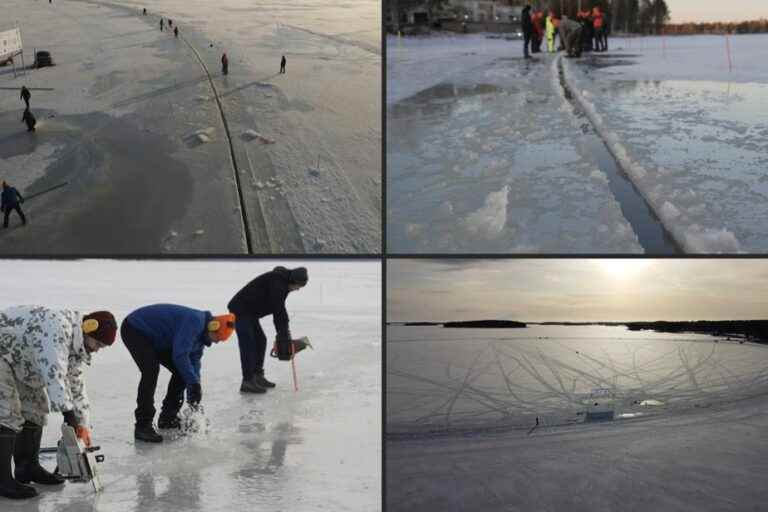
x=419, y=16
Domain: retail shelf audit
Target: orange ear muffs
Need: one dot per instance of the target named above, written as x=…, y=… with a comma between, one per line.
x=90, y=325
x=222, y=326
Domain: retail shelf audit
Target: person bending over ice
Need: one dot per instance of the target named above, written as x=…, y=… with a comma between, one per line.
x=172, y=336
x=263, y=296
x=43, y=354
x=571, y=36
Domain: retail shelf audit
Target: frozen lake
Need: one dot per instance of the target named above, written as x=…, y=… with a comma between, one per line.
x=699, y=446
x=476, y=136
x=315, y=449
x=306, y=145
x=474, y=379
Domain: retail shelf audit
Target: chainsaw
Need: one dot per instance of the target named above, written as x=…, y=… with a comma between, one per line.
x=75, y=461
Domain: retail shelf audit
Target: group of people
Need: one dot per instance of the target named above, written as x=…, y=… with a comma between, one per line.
x=44, y=352
x=588, y=32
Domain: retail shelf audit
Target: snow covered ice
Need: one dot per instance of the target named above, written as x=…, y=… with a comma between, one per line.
x=467, y=116
x=462, y=404
x=315, y=449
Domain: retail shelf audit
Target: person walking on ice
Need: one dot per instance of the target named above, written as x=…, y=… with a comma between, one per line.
x=264, y=295
x=224, y=64
x=11, y=199
x=43, y=355
x=172, y=336
x=25, y=95
x=282, y=64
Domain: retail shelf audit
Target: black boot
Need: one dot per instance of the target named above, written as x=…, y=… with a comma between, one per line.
x=9, y=487
x=249, y=386
x=259, y=380
x=146, y=432
x=26, y=456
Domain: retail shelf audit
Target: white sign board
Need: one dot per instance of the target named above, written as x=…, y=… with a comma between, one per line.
x=10, y=43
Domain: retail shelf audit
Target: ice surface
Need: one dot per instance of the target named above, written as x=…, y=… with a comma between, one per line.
x=703, y=449
x=474, y=379
x=315, y=449
x=467, y=119
x=690, y=134
x=121, y=83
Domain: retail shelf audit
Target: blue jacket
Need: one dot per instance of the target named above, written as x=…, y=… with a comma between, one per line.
x=9, y=198
x=181, y=330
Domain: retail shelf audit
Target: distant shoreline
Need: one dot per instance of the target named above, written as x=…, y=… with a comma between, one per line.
x=749, y=330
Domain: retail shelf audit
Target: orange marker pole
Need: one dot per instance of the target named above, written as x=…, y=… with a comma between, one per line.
x=293, y=367
x=728, y=50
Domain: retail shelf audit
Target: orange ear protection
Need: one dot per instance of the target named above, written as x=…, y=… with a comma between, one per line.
x=222, y=326
x=90, y=325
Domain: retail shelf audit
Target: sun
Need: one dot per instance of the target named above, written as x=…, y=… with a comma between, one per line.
x=624, y=268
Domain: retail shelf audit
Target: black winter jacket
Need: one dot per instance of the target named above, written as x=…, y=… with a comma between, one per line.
x=526, y=21
x=263, y=296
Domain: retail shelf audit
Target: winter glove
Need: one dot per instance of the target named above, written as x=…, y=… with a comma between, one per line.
x=84, y=435
x=194, y=394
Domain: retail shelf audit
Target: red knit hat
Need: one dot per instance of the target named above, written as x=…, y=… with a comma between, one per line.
x=101, y=326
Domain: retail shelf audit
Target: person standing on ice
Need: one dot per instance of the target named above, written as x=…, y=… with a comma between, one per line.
x=43, y=355
x=263, y=296
x=538, y=31
x=224, y=64
x=527, y=25
x=162, y=24
x=10, y=200
x=25, y=95
x=172, y=336
x=29, y=119
x=551, y=32
x=597, y=24
x=282, y=64
x=176, y=32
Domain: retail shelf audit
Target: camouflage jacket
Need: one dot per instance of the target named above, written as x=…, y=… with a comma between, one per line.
x=45, y=348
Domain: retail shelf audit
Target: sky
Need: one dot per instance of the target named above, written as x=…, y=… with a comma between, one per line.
x=709, y=10
x=577, y=289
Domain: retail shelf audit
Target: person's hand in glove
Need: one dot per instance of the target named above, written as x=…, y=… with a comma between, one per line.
x=81, y=431
x=84, y=434
x=194, y=394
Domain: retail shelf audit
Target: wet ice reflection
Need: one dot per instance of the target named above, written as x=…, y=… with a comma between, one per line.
x=498, y=146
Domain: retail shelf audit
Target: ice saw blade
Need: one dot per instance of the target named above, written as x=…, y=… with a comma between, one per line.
x=76, y=462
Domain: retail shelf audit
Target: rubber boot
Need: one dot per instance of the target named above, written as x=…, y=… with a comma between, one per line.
x=9, y=487
x=147, y=433
x=260, y=380
x=26, y=456
x=249, y=386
